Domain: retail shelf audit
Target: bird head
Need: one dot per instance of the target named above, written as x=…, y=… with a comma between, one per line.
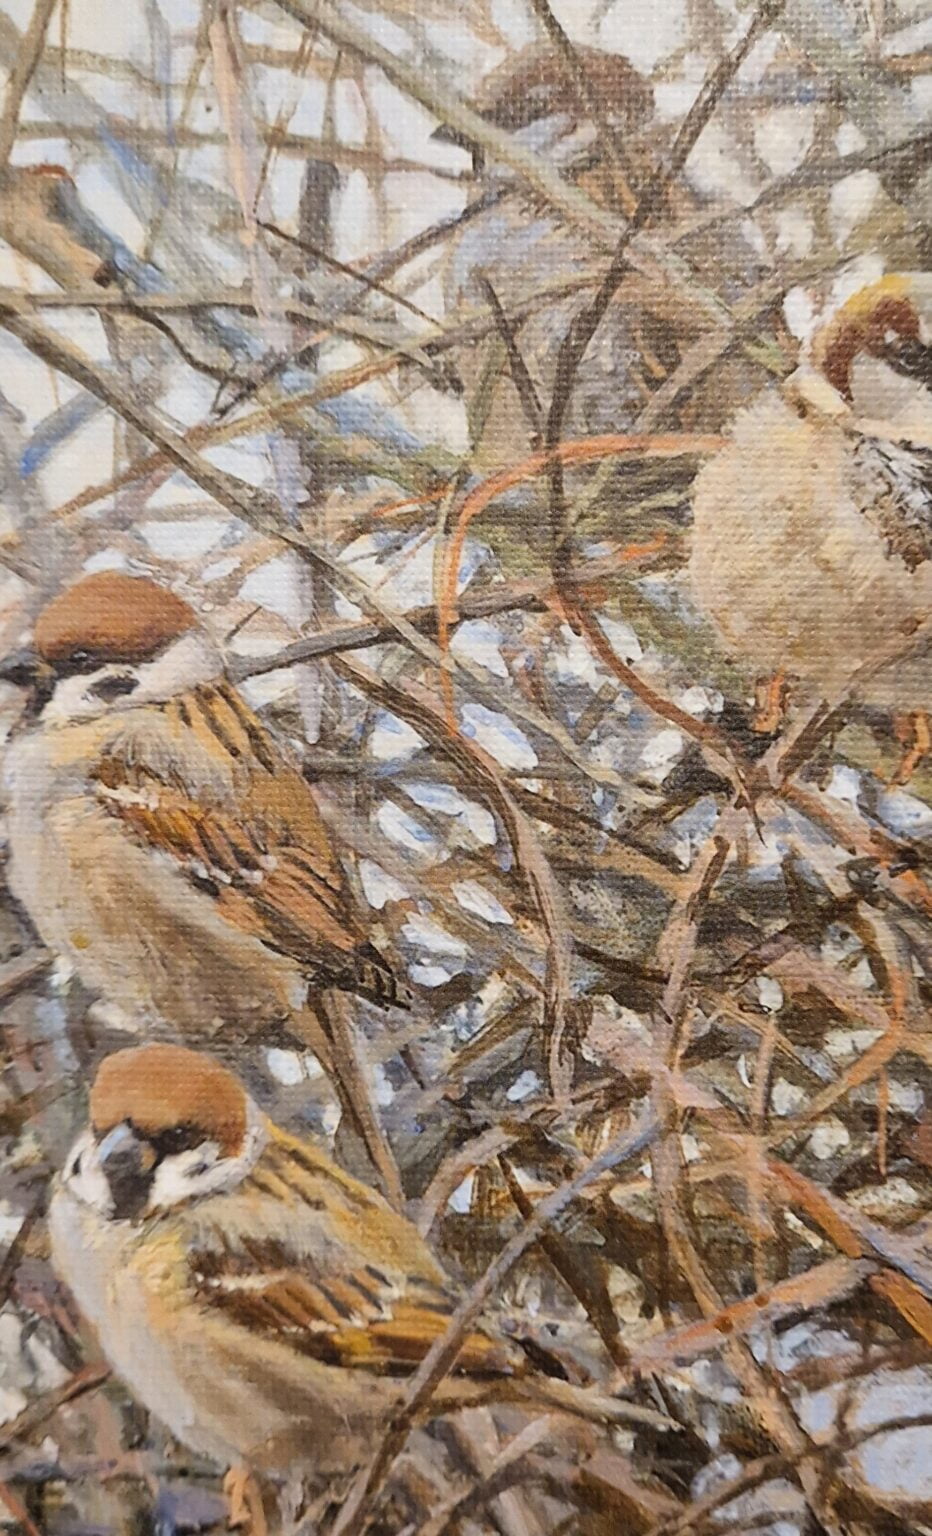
x=168, y=1126
x=111, y=642
x=884, y=321
x=539, y=98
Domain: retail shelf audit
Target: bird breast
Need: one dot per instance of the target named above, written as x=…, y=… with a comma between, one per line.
x=220, y=1391
x=128, y=1306
x=788, y=559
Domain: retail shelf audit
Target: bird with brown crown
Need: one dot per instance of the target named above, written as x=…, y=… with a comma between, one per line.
x=812, y=529
x=263, y=1304
x=592, y=115
x=163, y=843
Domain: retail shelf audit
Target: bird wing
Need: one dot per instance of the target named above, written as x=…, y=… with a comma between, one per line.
x=308, y=1258
x=205, y=785
x=896, y=493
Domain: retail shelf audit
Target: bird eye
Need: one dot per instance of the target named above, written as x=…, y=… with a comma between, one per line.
x=113, y=687
x=177, y=1138
x=198, y=1171
x=77, y=662
x=908, y=356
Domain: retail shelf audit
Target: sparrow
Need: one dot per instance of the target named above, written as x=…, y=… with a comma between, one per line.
x=812, y=529
x=596, y=121
x=535, y=94
x=507, y=236
x=263, y=1304
x=165, y=846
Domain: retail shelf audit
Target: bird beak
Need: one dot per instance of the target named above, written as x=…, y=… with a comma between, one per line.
x=128, y=1163
x=25, y=669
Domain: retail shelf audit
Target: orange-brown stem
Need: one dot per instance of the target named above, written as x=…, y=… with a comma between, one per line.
x=771, y=697
x=915, y=732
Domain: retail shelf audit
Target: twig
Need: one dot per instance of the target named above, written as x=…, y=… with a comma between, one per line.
x=576, y=342
x=528, y=596
x=17, y=1510
x=618, y=176
x=36, y=1414
x=702, y=1510
x=508, y=1465
x=15, y=1250
x=386, y=263
x=341, y=382
x=413, y=703
x=371, y=284
x=22, y=970
x=27, y=58
x=299, y=145
x=424, y=80
x=792, y=749
x=585, y=450
x=440, y=1357
x=799, y=970
x=593, y=1298
x=732, y=329
x=852, y=1232
x=520, y=376
x=823, y=1286
x=455, y=1168
x=894, y=858
x=912, y=153
x=333, y=1012
x=152, y=307
x=580, y=334
x=677, y=951
x=262, y=512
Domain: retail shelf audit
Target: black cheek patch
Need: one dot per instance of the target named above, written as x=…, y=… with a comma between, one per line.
x=114, y=687
x=130, y=1184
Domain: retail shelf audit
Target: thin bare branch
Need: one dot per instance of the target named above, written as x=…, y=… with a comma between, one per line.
x=441, y=1356
x=24, y=68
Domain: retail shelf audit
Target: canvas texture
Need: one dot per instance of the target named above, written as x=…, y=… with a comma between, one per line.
x=466, y=758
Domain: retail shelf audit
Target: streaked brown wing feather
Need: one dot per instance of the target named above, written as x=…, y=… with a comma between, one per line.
x=261, y=851
x=346, y=1282
x=337, y=1323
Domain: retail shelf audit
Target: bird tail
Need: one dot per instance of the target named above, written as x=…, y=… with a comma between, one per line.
x=326, y=1023
x=587, y=1403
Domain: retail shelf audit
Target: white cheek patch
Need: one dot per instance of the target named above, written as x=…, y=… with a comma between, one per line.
x=184, y=1175
x=84, y=1178
x=202, y=1170
x=177, y=1180
x=190, y=660
x=70, y=700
